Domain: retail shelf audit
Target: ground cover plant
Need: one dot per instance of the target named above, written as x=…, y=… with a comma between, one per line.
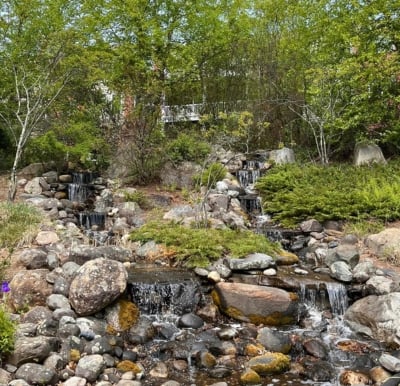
x=293, y=193
x=18, y=223
x=195, y=247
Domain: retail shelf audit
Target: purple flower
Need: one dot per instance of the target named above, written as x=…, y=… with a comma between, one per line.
x=5, y=287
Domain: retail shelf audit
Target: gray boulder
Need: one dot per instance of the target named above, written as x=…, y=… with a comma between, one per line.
x=32, y=349
x=282, y=156
x=36, y=374
x=376, y=317
x=368, y=153
x=97, y=284
x=253, y=261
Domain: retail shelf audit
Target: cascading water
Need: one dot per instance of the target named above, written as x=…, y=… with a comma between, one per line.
x=164, y=292
x=247, y=177
x=338, y=298
x=80, y=191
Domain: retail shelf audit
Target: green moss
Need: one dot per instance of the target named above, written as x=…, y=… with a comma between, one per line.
x=250, y=377
x=274, y=319
x=128, y=314
x=270, y=363
x=189, y=245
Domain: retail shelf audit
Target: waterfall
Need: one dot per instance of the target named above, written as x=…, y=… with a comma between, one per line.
x=337, y=294
x=78, y=192
x=79, y=189
x=168, y=291
x=89, y=220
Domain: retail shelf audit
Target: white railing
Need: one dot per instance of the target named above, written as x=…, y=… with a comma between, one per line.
x=179, y=113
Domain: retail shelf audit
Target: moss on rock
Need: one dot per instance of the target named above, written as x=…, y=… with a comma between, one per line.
x=269, y=363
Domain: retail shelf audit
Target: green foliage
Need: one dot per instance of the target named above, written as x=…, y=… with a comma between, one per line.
x=79, y=142
x=293, y=193
x=190, y=248
x=18, y=224
x=7, y=332
x=187, y=148
x=139, y=197
x=236, y=130
x=211, y=175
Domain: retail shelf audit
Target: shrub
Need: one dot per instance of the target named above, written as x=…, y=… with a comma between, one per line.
x=187, y=148
x=7, y=332
x=211, y=175
x=293, y=193
x=138, y=197
x=198, y=247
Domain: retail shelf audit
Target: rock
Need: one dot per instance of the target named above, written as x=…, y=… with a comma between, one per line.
x=269, y=363
x=90, y=367
x=36, y=186
x=96, y=285
x=378, y=375
x=316, y=348
x=36, y=374
x=368, y=153
x=160, y=370
x=390, y=362
x=179, y=213
x=346, y=252
x=205, y=360
x=29, y=288
x=385, y=242
x=376, y=317
x=30, y=349
x=394, y=380
x=250, y=377
x=180, y=176
x=282, y=156
x=252, y=261
x=381, y=285
x=218, y=202
x=5, y=377
x=46, y=238
x=122, y=315
x=363, y=271
x=80, y=254
x=341, y=271
x=354, y=378
x=55, y=301
x=256, y=304
x=274, y=340
x=319, y=371
x=311, y=225
x=190, y=320
x=33, y=258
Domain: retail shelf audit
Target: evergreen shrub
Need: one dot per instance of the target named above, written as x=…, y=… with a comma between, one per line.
x=293, y=193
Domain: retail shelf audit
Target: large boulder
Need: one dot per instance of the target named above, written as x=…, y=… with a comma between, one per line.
x=32, y=349
x=367, y=153
x=180, y=176
x=384, y=243
x=29, y=288
x=256, y=304
x=97, y=284
x=282, y=156
x=376, y=317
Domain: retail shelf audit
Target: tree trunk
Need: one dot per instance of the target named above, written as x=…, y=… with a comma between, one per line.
x=12, y=187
